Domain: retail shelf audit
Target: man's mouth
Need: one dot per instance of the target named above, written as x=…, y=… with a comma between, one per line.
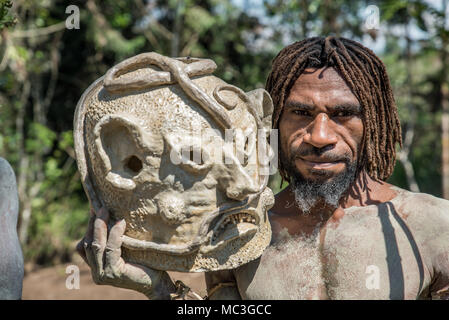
x=320, y=163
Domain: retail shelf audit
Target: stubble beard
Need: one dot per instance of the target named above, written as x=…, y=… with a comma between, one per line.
x=310, y=193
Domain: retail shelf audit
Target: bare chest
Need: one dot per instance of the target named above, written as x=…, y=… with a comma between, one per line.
x=375, y=257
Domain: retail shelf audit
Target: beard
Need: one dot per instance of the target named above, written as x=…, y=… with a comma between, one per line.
x=324, y=189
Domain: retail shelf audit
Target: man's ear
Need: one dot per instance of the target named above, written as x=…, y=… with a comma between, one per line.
x=264, y=105
x=122, y=146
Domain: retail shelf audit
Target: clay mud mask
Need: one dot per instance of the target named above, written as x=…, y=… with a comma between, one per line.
x=147, y=136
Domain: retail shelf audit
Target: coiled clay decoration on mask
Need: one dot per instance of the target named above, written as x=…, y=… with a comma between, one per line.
x=136, y=130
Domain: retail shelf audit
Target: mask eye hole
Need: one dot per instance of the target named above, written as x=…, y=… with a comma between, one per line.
x=133, y=164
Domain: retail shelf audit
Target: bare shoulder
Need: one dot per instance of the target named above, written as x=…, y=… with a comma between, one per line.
x=412, y=203
x=424, y=213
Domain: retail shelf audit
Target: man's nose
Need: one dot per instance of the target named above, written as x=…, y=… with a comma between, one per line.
x=319, y=133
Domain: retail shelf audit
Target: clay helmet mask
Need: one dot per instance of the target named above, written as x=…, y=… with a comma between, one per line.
x=133, y=125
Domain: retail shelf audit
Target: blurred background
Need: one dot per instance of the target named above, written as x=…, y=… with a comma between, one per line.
x=51, y=51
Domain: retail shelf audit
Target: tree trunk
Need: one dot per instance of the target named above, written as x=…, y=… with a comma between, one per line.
x=445, y=141
x=174, y=50
x=445, y=109
x=404, y=154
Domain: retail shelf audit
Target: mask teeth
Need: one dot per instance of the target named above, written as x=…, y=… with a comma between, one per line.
x=234, y=219
x=238, y=218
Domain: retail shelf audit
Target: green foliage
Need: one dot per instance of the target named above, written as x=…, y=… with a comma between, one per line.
x=55, y=228
x=6, y=19
x=41, y=138
x=44, y=76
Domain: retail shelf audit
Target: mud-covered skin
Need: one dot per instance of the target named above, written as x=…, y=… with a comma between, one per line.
x=380, y=243
x=406, y=239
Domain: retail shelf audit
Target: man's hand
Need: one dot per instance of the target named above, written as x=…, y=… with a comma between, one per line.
x=101, y=250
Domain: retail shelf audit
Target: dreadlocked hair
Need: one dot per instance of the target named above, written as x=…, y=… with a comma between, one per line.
x=366, y=76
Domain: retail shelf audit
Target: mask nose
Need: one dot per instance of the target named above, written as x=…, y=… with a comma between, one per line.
x=235, y=181
x=320, y=134
x=240, y=186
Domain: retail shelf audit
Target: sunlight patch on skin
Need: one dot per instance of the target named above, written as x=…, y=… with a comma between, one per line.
x=285, y=264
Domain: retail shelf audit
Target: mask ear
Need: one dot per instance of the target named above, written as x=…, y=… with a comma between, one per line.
x=263, y=104
x=121, y=145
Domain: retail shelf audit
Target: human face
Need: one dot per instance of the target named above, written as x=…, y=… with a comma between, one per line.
x=320, y=128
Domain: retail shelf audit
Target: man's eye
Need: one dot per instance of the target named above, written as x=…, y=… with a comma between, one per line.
x=302, y=113
x=343, y=114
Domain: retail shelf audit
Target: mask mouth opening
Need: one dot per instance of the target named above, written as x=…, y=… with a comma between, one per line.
x=228, y=212
x=235, y=224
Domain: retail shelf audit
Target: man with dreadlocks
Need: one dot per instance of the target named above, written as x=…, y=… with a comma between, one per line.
x=339, y=230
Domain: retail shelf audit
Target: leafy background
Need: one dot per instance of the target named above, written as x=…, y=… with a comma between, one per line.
x=45, y=67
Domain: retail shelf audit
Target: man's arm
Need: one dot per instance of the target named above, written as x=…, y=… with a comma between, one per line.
x=222, y=285
x=439, y=249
